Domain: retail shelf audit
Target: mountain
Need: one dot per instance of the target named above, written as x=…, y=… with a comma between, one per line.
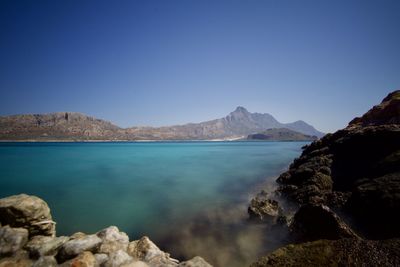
x=77, y=126
x=281, y=134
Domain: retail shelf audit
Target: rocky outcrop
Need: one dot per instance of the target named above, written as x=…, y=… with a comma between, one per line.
x=343, y=252
x=353, y=173
x=30, y=245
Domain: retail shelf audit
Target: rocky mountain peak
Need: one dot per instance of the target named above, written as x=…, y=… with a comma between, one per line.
x=240, y=109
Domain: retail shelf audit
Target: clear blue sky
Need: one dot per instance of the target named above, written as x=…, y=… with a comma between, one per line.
x=171, y=62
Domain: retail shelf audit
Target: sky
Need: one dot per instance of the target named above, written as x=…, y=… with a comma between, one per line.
x=172, y=62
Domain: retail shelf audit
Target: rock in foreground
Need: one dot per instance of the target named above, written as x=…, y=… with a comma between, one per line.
x=34, y=244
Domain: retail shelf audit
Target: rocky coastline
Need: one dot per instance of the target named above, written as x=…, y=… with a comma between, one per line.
x=344, y=194
x=28, y=238
x=339, y=202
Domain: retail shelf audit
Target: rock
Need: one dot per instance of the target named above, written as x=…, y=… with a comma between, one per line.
x=388, y=112
x=100, y=258
x=46, y=261
x=145, y=250
x=343, y=252
x=375, y=205
x=313, y=222
x=85, y=259
x=264, y=210
x=19, y=259
x=195, y=262
x=112, y=240
x=118, y=258
x=45, y=245
x=78, y=245
x=136, y=264
x=28, y=212
x=12, y=239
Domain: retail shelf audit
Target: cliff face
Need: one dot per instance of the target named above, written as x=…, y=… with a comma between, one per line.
x=347, y=184
x=76, y=126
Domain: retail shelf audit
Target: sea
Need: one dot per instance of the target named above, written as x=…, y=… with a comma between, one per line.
x=190, y=198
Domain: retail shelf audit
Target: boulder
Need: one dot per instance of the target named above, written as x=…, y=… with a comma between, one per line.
x=343, y=252
x=136, y=264
x=118, y=258
x=112, y=240
x=46, y=261
x=145, y=250
x=195, y=262
x=313, y=222
x=78, y=245
x=100, y=258
x=18, y=259
x=40, y=245
x=375, y=204
x=12, y=239
x=28, y=212
x=85, y=259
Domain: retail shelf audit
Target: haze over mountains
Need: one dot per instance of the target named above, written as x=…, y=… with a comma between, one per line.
x=77, y=126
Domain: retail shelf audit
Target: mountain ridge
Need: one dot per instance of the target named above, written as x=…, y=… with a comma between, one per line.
x=79, y=126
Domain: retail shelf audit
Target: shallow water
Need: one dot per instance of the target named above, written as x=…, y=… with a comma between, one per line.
x=155, y=189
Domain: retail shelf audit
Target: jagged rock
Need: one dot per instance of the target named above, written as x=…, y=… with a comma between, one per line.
x=29, y=212
x=195, y=262
x=100, y=258
x=118, y=258
x=112, y=240
x=85, y=259
x=145, y=250
x=12, y=239
x=343, y=252
x=44, y=245
x=78, y=245
x=313, y=222
x=375, y=204
x=46, y=261
x=264, y=210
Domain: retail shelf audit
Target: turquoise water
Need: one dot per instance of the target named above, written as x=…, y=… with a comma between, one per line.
x=143, y=188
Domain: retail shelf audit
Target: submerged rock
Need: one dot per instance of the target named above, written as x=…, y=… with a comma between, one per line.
x=343, y=252
x=28, y=212
x=313, y=222
x=264, y=210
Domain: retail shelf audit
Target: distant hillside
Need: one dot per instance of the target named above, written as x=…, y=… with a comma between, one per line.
x=281, y=134
x=77, y=126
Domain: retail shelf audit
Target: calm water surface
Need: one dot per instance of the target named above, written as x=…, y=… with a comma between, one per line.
x=143, y=188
